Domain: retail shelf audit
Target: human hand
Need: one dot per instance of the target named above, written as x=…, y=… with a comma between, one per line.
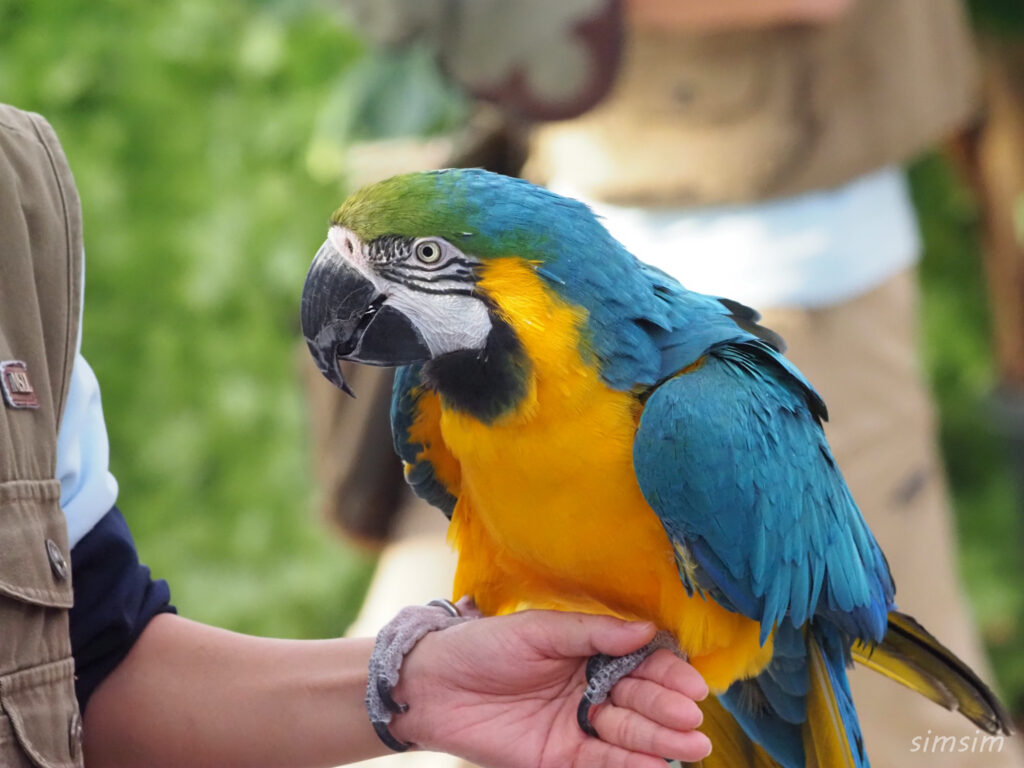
x=503, y=692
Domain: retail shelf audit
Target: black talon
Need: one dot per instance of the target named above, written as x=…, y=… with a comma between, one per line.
x=604, y=671
x=392, y=644
x=384, y=691
x=583, y=716
x=389, y=741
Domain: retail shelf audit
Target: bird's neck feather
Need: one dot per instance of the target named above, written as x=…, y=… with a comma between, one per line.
x=484, y=384
x=533, y=353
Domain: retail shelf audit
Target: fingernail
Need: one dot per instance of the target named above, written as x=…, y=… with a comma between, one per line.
x=708, y=746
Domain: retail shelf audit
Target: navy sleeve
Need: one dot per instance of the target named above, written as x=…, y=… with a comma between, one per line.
x=115, y=598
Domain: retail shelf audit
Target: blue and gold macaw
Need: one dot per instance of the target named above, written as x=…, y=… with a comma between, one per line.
x=604, y=440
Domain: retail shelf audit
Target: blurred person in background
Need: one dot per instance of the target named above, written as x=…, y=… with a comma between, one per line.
x=96, y=667
x=754, y=151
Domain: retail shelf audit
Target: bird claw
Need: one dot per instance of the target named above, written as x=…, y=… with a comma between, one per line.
x=604, y=671
x=393, y=642
x=384, y=692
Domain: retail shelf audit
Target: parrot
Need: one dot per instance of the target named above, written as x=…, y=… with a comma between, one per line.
x=603, y=440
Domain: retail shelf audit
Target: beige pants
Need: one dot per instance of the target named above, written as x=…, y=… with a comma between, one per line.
x=861, y=356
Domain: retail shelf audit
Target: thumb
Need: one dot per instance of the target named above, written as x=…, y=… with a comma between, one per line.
x=581, y=635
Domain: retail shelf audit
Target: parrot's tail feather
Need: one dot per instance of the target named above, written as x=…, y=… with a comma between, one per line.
x=798, y=710
x=832, y=736
x=911, y=656
x=731, y=745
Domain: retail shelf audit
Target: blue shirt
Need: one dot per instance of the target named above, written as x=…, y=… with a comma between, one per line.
x=87, y=488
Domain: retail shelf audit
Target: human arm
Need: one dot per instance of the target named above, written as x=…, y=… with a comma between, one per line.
x=720, y=15
x=192, y=695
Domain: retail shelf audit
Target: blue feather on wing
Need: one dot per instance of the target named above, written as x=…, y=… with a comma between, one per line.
x=419, y=473
x=736, y=465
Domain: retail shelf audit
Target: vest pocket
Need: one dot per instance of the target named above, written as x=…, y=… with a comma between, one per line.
x=42, y=715
x=35, y=562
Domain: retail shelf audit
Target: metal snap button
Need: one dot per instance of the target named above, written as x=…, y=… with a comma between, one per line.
x=75, y=736
x=58, y=564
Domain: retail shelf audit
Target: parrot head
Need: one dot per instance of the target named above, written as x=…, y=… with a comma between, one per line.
x=397, y=280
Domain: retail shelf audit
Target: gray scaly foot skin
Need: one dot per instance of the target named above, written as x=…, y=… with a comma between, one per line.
x=393, y=642
x=603, y=672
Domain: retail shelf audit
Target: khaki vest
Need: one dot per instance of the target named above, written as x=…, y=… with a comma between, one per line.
x=745, y=116
x=40, y=289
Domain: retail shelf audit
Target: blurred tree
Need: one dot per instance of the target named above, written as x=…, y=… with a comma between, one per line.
x=188, y=127
x=1000, y=17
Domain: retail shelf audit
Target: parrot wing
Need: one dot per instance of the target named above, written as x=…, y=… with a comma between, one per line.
x=430, y=469
x=731, y=456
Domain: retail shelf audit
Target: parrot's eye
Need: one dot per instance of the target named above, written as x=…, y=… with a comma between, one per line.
x=428, y=251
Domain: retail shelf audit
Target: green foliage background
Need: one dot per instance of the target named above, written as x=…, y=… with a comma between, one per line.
x=189, y=127
x=207, y=140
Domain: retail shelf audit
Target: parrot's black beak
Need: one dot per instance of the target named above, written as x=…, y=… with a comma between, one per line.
x=344, y=317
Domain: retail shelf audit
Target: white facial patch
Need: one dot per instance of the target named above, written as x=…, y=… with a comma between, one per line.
x=354, y=251
x=446, y=322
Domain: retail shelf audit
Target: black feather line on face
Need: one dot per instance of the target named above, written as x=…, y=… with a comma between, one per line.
x=412, y=263
x=431, y=270
x=401, y=271
x=426, y=288
x=387, y=249
x=392, y=258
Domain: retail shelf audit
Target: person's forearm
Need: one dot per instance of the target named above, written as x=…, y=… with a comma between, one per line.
x=187, y=695
x=712, y=15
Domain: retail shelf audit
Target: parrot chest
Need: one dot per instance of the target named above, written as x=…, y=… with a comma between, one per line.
x=550, y=512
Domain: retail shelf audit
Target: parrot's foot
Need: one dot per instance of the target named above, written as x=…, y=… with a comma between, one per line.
x=603, y=672
x=394, y=641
